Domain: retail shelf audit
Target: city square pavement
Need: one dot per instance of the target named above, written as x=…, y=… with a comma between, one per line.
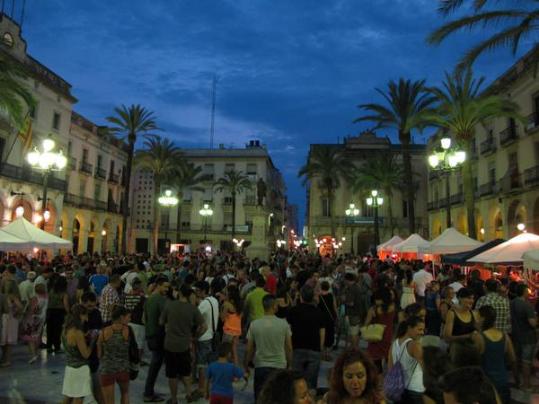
x=41, y=382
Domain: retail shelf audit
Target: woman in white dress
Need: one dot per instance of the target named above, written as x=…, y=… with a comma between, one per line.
x=77, y=380
x=408, y=288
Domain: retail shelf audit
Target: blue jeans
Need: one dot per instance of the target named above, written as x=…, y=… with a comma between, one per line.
x=261, y=375
x=307, y=362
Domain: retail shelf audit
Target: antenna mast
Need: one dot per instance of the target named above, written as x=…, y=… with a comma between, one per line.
x=213, y=96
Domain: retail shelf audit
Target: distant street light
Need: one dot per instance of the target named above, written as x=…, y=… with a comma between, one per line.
x=47, y=161
x=445, y=160
x=167, y=201
x=375, y=201
x=206, y=212
x=352, y=212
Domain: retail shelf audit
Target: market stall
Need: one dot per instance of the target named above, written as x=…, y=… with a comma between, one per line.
x=508, y=252
x=411, y=247
x=462, y=257
x=31, y=237
x=449, y=242
x=385, y=249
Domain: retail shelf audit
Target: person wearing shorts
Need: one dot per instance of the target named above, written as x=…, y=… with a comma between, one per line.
x=113, y=352
x=180, y=318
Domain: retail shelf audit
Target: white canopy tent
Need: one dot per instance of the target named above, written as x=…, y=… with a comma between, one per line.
x=9, y=242
x=388, y=245
x=412, y=244
x=31, y=236
x=451, y=241
x=510, y=251
x=531, y=260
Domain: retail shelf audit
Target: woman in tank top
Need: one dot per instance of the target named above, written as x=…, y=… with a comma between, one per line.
x=407, y=350
x=496, y=352
x=113, y=353
x=460, y=321
x=77, y=380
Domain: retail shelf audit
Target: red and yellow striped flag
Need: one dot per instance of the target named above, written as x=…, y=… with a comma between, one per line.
x=26, y=135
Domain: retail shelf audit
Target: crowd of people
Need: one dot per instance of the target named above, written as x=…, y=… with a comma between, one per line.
x=402, y=332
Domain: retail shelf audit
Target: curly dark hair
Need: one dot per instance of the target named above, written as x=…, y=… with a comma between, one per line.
x=337, y=393
x=280, y=388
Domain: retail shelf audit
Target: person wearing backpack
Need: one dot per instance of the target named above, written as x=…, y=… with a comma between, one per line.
x=403, y=382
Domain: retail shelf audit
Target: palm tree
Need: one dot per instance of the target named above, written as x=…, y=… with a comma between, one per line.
x=382, y=171
x=406, y=101
x=329, y=166
x=234, y=182
x=518, y=23
x=186, y=176
x=461, y=108
x=130, y=122
x=15, y=96
x=160, y=157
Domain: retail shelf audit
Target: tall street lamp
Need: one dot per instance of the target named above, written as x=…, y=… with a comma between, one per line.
x=446, y=159
x=47, y=161
x=375, y=201
x=206, y=212
x=352, y=212
x=167, y=201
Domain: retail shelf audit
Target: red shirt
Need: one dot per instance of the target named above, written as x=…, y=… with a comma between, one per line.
x=271, y=284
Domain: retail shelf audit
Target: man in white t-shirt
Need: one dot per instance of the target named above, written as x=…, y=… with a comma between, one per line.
x=421, y=279
x=457, y=285
x=209, y=308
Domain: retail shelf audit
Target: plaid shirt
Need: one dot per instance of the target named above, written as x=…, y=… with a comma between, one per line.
x=501, y=305
x=109, y=298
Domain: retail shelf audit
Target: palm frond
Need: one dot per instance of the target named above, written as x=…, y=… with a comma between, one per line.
x=470, y=22
x=507, y=38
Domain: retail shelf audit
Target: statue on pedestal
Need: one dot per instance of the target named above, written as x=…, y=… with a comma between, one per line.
x=261, y=190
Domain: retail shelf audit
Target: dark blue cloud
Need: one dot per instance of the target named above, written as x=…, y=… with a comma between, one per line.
x=290, y=72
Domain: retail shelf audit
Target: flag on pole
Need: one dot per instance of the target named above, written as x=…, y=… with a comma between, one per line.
x=26, y=135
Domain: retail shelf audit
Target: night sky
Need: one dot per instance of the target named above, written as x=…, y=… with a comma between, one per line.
x=291, y=72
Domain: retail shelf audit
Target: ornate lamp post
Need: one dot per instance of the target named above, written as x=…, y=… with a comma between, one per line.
x=446, y=159
x=375, y=201
x=352, y=212
x=206, y=212
x=103, y=241
x=167, y=201
x=48, y=161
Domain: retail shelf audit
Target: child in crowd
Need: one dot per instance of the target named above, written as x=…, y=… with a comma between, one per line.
x=221, y=374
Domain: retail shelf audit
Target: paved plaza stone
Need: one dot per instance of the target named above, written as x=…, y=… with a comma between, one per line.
x=41, y=382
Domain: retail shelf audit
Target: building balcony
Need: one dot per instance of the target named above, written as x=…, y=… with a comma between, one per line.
x=488, y=146
x=26, y=174
x=457, y=198
x=113, y=207
x=114, y=178
x=511, y=182
x=434, y=205
x=86, y=168
x=531, y=176
x=72, y=163
x=240, y=228
x=227, y=201
x=100, y=173
x=508, y=136
x=84, y=203
x=487, y=189
x=533, y=122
